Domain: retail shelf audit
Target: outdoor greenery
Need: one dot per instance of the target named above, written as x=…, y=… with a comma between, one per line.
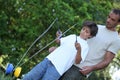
x=22, y=21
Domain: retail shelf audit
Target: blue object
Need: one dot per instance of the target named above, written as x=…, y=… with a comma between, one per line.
x=9, y=68
x=43, y=71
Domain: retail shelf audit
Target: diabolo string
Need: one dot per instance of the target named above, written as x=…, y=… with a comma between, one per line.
x=36, y=41
x=48, y=44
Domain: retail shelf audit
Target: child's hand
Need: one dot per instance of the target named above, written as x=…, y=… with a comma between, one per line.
x=58, y=33
x=77, y=46
x=51, y=49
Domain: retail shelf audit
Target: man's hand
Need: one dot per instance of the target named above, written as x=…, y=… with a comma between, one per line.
x=86, y=70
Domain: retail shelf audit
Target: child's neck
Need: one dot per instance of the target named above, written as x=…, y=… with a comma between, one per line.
x=82, y=37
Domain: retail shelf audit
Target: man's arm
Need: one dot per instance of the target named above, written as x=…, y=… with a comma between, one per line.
x=107, y=59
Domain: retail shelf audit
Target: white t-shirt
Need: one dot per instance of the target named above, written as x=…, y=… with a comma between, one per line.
x=64, y=56
x=105, y=40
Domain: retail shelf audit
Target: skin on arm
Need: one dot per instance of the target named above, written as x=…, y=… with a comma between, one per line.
x=107, y=59
x=78, y=55
x=51, y=49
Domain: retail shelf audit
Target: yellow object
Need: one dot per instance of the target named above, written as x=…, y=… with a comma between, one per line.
x=118, y=28
x=17, y=71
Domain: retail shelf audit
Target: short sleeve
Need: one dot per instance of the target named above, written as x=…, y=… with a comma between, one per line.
x=64, y=39
x=114, y=46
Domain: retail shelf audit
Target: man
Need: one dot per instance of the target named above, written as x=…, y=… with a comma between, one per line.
x=103, y=48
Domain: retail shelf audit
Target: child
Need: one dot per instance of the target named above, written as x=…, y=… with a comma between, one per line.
x=72, y=49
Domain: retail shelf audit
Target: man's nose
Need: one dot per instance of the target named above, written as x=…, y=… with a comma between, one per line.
x=108, y=20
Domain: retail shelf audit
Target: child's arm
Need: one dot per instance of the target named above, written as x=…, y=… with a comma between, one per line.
x=58, y=35
x=78, y=55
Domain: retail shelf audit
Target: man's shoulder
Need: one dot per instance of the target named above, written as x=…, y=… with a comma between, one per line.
x=101, y=26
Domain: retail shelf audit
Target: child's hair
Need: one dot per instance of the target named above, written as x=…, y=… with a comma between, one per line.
x=92, y=26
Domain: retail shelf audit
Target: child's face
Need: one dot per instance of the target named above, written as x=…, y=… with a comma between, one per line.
x=85, y=33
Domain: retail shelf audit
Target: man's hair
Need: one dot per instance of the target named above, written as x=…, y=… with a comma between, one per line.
x=92, y=26
x=117, y=12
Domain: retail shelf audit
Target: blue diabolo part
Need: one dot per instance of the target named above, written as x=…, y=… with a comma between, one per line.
x=9, y=68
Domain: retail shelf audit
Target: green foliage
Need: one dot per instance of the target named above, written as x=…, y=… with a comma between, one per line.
x=101, y=75
x=5, y=77
x=22, y=21
x=116, y=61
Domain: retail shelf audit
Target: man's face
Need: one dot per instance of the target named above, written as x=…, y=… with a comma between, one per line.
x=112, y=20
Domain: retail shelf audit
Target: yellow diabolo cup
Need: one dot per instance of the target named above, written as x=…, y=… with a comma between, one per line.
x=17, y=71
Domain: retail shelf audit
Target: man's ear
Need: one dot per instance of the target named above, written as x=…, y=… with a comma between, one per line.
x=119, y=23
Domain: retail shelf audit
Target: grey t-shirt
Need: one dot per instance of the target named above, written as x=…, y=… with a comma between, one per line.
x=105, y=40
